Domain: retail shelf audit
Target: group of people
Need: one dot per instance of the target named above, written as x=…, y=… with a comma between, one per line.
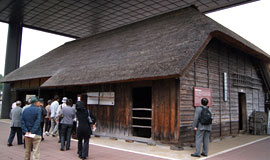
x=66, y=117
x=59, y=119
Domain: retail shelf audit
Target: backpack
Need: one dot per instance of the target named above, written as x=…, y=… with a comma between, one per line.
x=206, y=116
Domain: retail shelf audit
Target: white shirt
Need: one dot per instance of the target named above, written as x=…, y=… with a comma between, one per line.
x=13, y=105
x=59, y=109
x=54, y=107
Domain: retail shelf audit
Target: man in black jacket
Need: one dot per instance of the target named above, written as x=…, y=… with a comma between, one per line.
x=42, y=118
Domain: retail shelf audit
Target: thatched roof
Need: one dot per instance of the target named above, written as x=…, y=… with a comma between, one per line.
x=158, y=47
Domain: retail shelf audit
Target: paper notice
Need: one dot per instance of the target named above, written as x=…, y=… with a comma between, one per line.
x=30, y=135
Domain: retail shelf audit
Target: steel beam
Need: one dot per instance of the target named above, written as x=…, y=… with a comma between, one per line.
x=12, y=62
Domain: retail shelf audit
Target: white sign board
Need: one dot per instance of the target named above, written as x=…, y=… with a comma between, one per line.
x=106, y=98
x=101, y=98
x=225, y=86
x=28, y=96
x=92, y=97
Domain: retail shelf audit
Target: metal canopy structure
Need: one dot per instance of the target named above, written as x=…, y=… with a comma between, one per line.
x=82, y=18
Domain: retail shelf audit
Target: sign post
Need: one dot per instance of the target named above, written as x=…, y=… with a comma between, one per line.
x=200, y=93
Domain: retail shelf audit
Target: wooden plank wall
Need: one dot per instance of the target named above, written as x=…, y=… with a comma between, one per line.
x=207, y=71
x=116, y=120
x=165, y=104
x=29, y=84
x=113, y=120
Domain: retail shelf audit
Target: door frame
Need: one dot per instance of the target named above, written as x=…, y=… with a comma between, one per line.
x=242, y=112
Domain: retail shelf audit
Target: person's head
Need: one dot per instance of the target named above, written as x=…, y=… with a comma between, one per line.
x=18, y=103
x=41, y=100
x=80, y=105
x=204, y=101
x=64, y=100
x=29, y=101
x=69, y=102
x=56, y=98
x=34, y=101
x=49, y=102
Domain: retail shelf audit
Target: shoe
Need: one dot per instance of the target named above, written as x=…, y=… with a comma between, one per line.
x=20, y=143
x=204, y=155
x=83, y=158
x=67, y=149
x=47, y=133
x=195, y=155
x=62, y=149
x=42, y=139
x=9, y=144
x=53, y=135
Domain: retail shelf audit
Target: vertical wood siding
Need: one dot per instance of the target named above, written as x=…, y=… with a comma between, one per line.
x=207, y=71
x=116, y=120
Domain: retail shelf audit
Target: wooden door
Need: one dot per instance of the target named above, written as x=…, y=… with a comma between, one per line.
x=242, y=112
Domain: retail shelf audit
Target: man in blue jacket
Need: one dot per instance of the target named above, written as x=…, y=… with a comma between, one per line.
x=30, y=122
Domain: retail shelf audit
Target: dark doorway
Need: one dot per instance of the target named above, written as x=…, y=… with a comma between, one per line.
x=142, y=112
x=242, y=112
x=21, y=95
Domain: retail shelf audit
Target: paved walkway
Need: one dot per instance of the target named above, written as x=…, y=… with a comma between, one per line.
x=105, y=148
x=50, y=150
x=255, y=151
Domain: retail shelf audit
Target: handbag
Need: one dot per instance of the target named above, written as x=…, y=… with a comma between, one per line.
x=90, y=121
x=92, y=126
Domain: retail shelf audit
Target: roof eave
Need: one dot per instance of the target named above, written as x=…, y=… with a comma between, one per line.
x=44, y=85
x=263, y=56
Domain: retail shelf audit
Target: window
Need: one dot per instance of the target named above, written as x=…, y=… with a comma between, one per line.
x=239, y=80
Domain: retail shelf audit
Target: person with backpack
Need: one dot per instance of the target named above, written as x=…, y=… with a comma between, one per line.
x=202, y=125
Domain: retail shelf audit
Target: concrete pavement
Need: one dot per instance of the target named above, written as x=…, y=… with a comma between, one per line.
x=50, y=150
x=105, y=148
x=258, y=150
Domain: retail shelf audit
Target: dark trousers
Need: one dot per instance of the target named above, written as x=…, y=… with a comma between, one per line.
x=47, y=124
x=66, y=135
x=13, y=131
x=60, y=131
x=42, y=127
x=83, y=146
x=74, y=130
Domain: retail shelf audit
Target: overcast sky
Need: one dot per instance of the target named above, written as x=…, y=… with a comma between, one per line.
x=250, y=21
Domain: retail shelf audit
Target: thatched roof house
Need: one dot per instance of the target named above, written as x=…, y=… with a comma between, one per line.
x=162, y=46
x=149, y=71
